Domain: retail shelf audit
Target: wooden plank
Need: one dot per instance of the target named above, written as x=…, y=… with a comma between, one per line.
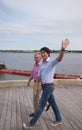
x=2, y=98
x=3, y=114
x=70, y=109
x=30, y=105
x=13, y=110
x=16, y=104
x=8, y=115
x=18, y=110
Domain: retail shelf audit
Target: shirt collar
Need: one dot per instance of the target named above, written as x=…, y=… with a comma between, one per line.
x=47, y=59
x=38, y=63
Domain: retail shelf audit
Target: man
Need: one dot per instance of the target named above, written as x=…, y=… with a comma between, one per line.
x=45, y=76
x=37, y=59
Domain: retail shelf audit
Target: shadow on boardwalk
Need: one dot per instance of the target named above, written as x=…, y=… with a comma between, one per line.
x=16, y=104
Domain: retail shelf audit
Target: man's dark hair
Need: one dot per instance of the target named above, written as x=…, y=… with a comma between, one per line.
x=46, y=49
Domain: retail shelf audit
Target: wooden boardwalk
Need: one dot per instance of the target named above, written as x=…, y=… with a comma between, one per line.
x=16, y=104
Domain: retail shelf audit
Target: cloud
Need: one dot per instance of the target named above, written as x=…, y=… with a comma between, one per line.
x=40, y=29
x=44, y=19
x=51, y=9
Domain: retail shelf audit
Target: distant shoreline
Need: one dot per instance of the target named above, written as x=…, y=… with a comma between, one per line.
x=33, y=51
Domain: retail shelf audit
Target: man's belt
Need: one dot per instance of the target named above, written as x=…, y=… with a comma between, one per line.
x=47, y=84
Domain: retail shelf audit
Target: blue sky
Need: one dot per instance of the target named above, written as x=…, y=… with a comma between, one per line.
x=32, y=24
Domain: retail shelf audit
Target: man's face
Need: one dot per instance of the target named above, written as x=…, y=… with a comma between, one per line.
x=37, y=58
x=44, y=55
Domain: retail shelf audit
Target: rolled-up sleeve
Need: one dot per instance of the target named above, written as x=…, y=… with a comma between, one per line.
x=39, y=75
x=54, y=62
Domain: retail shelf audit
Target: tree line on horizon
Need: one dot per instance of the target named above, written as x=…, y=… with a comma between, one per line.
x=33, y=51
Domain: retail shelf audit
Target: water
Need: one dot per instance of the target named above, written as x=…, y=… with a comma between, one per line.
x=71, y=64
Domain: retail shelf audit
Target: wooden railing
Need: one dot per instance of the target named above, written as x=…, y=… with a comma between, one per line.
x=15, y=83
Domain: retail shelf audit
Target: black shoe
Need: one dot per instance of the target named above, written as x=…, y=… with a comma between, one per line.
x=32, y=114
x=47, y=108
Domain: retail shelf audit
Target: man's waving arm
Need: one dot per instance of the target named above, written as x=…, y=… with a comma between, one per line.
x=65, y=43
